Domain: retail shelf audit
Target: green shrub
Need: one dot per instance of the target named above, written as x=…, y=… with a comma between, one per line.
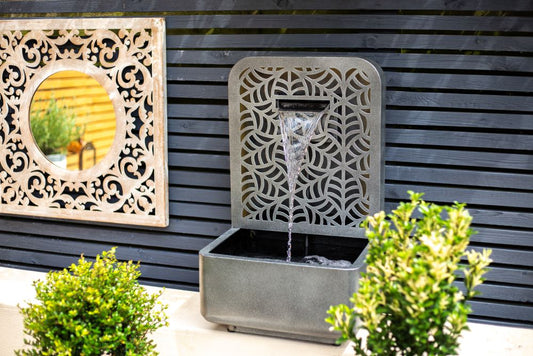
x=54, y=128
x=407, y=302
x=92, y=309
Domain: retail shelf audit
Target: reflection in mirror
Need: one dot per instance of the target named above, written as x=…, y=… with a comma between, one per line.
x=72, y=120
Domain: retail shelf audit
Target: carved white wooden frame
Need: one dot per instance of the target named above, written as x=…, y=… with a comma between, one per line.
x=127, y=57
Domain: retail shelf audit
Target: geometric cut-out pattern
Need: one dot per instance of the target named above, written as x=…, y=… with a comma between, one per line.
x=337, y=184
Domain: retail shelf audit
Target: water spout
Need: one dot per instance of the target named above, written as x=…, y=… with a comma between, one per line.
x=298, y=121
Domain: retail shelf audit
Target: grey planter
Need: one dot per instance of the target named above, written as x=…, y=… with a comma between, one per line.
x=246, y=284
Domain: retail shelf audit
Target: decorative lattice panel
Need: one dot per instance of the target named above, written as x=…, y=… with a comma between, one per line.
x=341, y=180
x=126, y=57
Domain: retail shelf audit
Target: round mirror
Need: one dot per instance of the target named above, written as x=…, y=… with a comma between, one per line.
x=72, y=120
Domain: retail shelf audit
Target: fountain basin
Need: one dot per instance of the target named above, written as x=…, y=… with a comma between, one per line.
x=246, y=283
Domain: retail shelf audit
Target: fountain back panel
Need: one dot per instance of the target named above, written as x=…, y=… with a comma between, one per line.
x=246, y=281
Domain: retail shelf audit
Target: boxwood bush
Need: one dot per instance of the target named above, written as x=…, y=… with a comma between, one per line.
x=92, y=309
x=407, y=302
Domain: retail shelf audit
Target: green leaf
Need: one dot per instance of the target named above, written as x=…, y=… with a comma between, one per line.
x=106, y=310
x=406, y=300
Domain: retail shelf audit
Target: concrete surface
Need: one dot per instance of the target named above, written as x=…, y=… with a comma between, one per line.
x=190, y=335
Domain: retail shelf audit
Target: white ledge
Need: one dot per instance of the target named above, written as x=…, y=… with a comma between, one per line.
x=188, y=334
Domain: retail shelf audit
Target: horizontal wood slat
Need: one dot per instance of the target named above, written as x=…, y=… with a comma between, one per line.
x=459, y=101
x=510, y=275
x=355, y=40
x=212, y=196
x=64, y=6
x=471, y=196
x=197, y=111
x=199, y=143
x=502, y=292
x=498, y=310
x=189, y=209
x=484, y=120
x=352, y=22
x=205, y=179
x=450, y=157
x=503, y=256
x=503, y=236
x=493, y=217
x=196, y=160
x=502, y=218
x=199, y=127
x=459, y=177
x=460, y=139
x=459, y=81
x=198, y=91
x=206, y=228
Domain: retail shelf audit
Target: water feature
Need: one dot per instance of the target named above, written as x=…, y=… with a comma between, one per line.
x=245, y=280
x=298, y=121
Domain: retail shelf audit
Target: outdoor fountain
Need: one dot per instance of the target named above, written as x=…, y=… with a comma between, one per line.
x=306, y=169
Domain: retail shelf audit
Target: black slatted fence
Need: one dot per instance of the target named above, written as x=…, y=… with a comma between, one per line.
x=459, y=124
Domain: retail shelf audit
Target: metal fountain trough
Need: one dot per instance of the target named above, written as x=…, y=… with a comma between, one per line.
x=246, y=281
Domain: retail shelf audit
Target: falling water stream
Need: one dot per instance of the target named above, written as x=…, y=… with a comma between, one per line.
x=298, y=121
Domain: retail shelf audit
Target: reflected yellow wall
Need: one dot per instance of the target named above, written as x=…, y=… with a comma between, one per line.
x=90, y=103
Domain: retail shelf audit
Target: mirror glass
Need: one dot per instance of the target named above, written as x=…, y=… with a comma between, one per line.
x=72, y=120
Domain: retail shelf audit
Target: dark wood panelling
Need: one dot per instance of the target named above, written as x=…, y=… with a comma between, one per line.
x=459, y=124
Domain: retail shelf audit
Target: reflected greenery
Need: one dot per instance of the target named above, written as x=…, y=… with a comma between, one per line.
x=72, y=115
x=54, y=128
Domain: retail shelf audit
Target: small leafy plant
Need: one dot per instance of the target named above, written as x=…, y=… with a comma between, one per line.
x=54, y=128
x=407, y=301
x=92, y=309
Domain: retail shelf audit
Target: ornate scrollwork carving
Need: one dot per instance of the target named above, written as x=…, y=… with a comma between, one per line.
x=337, y=186
x=125, y=56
